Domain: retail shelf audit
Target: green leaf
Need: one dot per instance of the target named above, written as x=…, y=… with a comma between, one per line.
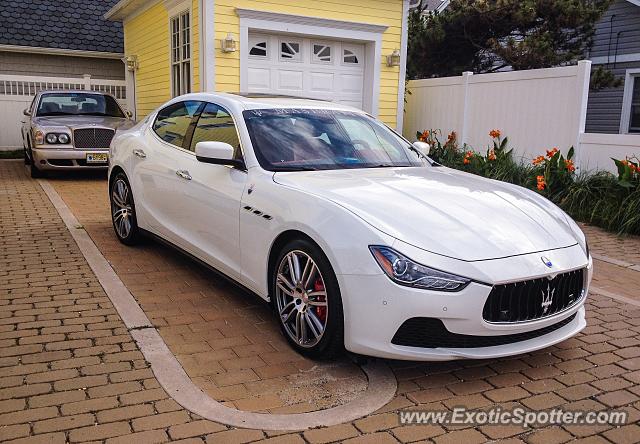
x=570, y=153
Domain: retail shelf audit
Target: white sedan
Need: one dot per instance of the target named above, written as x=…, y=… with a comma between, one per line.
x=355, y=236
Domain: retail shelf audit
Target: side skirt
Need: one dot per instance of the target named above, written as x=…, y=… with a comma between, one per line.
x=209, y=267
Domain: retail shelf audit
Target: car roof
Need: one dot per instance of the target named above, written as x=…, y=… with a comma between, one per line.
x=66, y=91
x=266, y=101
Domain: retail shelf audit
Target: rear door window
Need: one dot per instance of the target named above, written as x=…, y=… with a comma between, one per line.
x=172, y=122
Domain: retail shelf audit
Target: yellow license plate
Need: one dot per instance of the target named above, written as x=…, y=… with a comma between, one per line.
x=97, y=157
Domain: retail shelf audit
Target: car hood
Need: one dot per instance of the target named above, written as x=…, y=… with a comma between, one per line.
x=74, y=122
x=442, y=210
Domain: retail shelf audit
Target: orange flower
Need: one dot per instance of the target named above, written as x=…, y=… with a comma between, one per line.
x=538, y=160
x=424, y=136
x=466, y=161
x=494, y=133
x=551, y=153
x=569, y=165
x=467, y=157
x=492, y=155
x=541, y=182
x=452, y=137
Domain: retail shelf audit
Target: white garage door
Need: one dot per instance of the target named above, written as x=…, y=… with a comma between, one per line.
x=306, y=67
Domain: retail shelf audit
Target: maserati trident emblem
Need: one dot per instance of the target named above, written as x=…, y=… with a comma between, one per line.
x=547, y=299
x=546, y=261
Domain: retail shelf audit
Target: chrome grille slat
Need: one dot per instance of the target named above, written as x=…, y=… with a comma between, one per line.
x=92, y=138
x=522, y=301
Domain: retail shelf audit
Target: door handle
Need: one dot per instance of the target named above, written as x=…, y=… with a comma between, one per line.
x=139, y=153
x=184, y=174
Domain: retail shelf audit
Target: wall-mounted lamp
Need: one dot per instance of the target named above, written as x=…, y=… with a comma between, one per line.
x=228, y=44
x=393, y=59
x=131, y=62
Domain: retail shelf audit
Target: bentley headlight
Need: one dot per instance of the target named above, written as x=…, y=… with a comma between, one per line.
x=404, y=271
x=63, y=138
x=52, y=138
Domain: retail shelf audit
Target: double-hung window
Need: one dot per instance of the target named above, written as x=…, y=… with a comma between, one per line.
x=634, y=111
x=181, y=54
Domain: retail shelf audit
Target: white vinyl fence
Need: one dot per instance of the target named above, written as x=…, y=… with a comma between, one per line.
x=537, y=109
x=17, y=92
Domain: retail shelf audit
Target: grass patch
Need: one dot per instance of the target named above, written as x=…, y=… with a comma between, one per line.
x=13, y=154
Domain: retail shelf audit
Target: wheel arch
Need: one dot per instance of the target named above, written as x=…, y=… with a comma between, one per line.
x=114, y=171
x=278, y=244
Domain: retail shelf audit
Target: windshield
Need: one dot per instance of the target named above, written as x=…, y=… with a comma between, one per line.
x=78, y=104
x=313, y=139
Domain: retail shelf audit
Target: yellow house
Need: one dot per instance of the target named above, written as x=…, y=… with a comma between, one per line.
x=351, y=52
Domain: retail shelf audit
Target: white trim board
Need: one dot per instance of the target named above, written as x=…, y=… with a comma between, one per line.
x=309, y=20
x=620, y=58
x=369, y=34
x=61, y=51
x=402, y=76
x=207, y=45
x=626, y=98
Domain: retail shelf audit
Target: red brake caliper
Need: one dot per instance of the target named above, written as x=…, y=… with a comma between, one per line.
x=321, y=312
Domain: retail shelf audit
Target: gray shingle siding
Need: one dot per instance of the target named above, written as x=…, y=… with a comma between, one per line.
x=63, y=24
x=621, y=25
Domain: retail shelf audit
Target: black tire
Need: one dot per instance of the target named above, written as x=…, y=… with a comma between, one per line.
x=35, y=171
x=331, y=343
x=125, y=208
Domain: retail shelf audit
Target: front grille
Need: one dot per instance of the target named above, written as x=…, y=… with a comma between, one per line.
x=92, y=138
x=431, y=333
x=533, y=299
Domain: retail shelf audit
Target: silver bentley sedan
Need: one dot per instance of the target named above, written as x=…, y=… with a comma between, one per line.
x=72, y=129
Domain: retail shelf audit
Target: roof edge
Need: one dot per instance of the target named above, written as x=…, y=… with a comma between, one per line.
x=61, y=51
x=121, y=10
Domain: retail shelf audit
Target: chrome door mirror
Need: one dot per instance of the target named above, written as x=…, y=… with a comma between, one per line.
x=423, y=147
x=218, y=153
x=26, y=112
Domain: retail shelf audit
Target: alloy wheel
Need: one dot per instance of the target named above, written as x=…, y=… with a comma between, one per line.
x=121, y=208
x=301, y=298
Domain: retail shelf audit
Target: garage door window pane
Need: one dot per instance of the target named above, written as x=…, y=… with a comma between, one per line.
x=321, y=53
x=259, y=49
x=216, y=125
x=349, y=57
x=290, y=50
x=172, y=122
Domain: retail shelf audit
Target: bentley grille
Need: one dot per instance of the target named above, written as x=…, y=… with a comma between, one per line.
x=533, y=299
x=91, y=138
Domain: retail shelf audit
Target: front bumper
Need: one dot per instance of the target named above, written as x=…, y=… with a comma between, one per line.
x=375, y=308
x=65, y=158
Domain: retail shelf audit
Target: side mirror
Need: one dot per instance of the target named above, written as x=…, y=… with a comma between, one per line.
x=423, y=147
x=26, y=112
x=217, y=153
x=128, y=113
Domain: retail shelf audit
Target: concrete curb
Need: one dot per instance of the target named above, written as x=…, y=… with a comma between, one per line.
x=381, y=387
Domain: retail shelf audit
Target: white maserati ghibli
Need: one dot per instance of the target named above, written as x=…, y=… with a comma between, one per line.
x=353, y=234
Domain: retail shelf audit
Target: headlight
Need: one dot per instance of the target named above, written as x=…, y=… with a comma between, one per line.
x=52, y=138
x=39, y=136
x=63, y=138
x=404, y=271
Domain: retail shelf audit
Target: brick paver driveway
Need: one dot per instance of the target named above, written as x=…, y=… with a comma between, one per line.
x=71, y=372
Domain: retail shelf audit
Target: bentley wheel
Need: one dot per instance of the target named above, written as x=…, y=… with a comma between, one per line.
x=123, y=213
x=307, y=300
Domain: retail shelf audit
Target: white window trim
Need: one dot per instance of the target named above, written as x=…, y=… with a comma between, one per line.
x=316, y=27
x=631, y=76
x=174, y=9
